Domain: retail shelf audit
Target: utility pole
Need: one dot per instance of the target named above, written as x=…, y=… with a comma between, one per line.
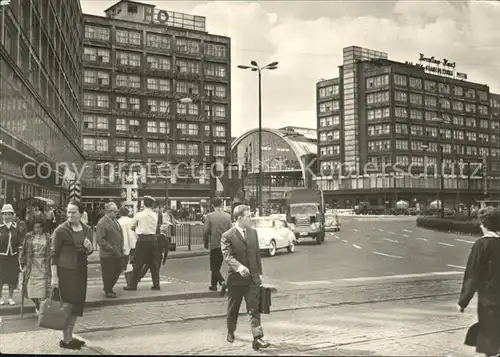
x=468, y=188
x=212, y=180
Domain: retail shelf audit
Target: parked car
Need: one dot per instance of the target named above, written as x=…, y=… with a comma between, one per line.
x=274, y=234
x=332, y=223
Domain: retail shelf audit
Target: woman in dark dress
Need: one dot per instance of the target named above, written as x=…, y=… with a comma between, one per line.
x=482, y=275
x=71, y=244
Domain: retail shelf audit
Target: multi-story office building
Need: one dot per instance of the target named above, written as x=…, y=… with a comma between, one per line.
x=40, y=122
x=416, y=123
x=140, y=66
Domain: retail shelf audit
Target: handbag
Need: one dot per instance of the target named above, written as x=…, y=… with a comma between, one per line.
x=55, y=315
x=472, y=334
x=129, y=268
x=265, y=300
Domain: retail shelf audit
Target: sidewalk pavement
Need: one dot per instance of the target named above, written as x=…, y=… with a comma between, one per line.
x=181, y=252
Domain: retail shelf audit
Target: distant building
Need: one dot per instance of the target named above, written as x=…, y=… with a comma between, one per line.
x=139, y=63
x=288, y=159
x=380, y=113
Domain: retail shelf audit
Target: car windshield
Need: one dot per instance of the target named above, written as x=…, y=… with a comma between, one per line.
x=262, y=223
x=329, y=217
x=310, y=210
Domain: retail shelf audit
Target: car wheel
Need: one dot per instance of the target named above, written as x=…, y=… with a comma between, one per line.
x=272, y=248
x=318, y=239
x=291, y=247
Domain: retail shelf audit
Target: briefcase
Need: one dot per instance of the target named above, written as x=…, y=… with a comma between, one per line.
x=471, y=337
x=265, y=300
x=55, y=315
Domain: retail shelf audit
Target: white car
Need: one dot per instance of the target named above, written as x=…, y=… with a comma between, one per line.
x=273, y=234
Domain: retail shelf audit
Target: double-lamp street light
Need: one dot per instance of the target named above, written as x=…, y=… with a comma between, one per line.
x=254, y=67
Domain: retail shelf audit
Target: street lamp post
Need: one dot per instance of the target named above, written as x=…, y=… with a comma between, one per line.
x=255, y=68
x=168, y=150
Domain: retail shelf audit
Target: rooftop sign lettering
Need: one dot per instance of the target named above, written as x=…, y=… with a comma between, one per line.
x=442, y=67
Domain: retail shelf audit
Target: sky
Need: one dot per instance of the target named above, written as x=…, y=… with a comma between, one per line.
x=307, y=38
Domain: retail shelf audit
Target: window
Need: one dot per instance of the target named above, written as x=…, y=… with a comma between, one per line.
x=215, y=70
x=130, y=81
x=458, y=106
x=95, y=122
x=161, y=63
x=187, y=87
x=379, y=97
x=90, y=77
x=329, y=121
x=430, y=116
x=471, y=136
x=415, y=83
x=484, y=138
x=158, y=84
x=379, y=145
x=219, y=111
x=401, y=96
x=430, y=86
x=444, y=88
x=444, y=103
x=471, y=150
x=401, y=144
x=470, y=93
x=102, y=56
x=417, y=130
x=128, y=37
x=188, y=46
x=121, y=125
x=484, y=124
x=152, y=105
x=152, y=126
x=96, y=100
x=220, y=150
x=402, y=160
x=192, y=149
x=430, y=101
x=400, y=80
x=401, y=113
x=158, y=41
x=483, y=96
x=431, y=131
x=220, y=131
x=121, y=146
x=377, y=82
x=128, y=59
x=188, y=66
x=458, y=91
x=482, y=109
x=152, y=147
x=218, y=91
x=328, y=106
x=188, y=108
x=134, y=146
x=128, y=103
x=99, y=145
x=380, y=113
x=379, y=129
x=470, y=108
x=328, y=91
x=446, y=148
x=416, y=114
x=133, y=126
x=401, y=129
x=89, y=54
x=97, y=33
x=215, y=50
x=458, y=134
x=415, y=99
x=470, y=122
x=446, y=133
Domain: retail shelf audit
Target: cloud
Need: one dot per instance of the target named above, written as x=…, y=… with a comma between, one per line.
x=307, y=40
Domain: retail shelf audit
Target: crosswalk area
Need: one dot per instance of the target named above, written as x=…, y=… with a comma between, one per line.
x=97, y=281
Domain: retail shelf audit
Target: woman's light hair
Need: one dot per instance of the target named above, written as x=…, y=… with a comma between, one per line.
x=239, y=211
x=489, y=218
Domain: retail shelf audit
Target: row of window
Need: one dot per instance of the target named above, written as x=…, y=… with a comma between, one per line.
x=443, y=88
x=102, y=78
x=329, y=91
x=93, y=100
x=152, y=147
x=330, y=120
x=134, y=59
x=329, y=150
x=93, y=122
x=329, y=135
x=329, y=106
x=156, y=41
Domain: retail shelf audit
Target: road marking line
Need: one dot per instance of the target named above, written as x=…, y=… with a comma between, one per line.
x=403, y=276
x=446, y=244
x=380, y=230
x=455, y=266
x=406, y=235
x=465, y=241
x=305, y=283
x=356, y=246
x=355, y=230
x=343, y=240
x=391, y=240
x=392, y=233
x=336, y=237
x=407, y=230
x=425, y=240
x=388, y=255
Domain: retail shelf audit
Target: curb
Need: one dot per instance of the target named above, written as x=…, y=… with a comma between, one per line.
x=174, y=256
x=16, y=310
x=314, y=305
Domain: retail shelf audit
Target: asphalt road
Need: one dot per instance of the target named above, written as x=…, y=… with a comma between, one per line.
x=366, y=249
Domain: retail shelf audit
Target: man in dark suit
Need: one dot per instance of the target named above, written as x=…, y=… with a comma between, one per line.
x=240, y=249
x=109, y=237
x=216, y=223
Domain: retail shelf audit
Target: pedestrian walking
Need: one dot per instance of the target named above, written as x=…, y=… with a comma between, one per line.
x=240, y=249
x=10, y=245
x=34, y=259
x=482, y=276
x=129, y=241
x=109, y=237
x=216, y=223
x=145, y=224
x=70, y=246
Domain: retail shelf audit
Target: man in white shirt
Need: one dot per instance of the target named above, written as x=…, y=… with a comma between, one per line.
x=129, y=240
x=145, y=224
